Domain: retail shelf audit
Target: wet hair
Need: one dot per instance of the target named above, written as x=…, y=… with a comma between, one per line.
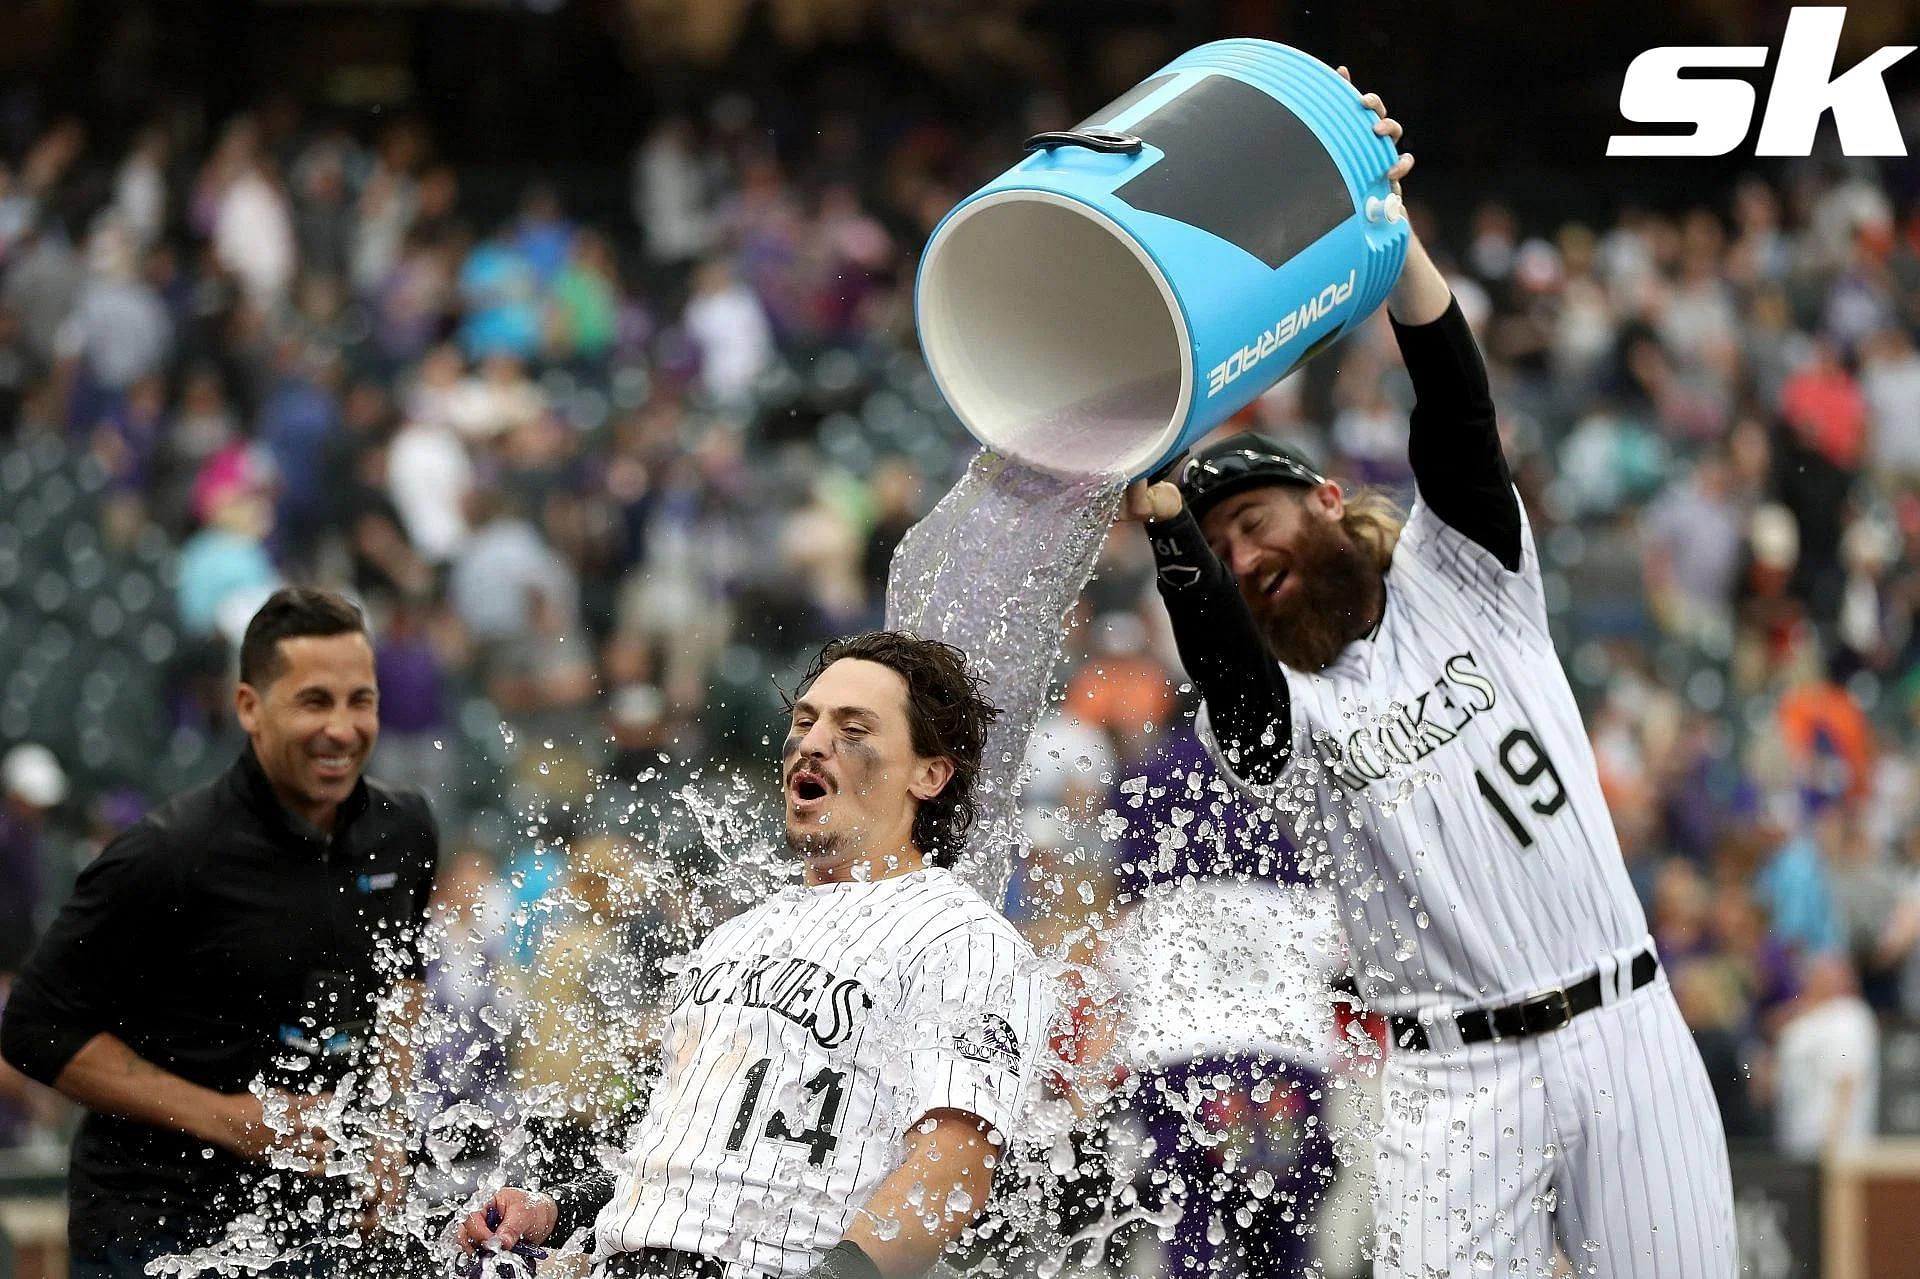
x=946, y=717
x=1374, y=520
x=293, y=612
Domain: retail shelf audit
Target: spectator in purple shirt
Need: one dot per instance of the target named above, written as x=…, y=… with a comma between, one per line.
x=413, y=703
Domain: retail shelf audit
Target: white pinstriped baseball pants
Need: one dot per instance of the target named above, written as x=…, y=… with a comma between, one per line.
x=1602, y=1136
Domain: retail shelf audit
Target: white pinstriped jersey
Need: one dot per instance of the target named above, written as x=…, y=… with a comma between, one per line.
x=806, y=1036
x=1444, y=782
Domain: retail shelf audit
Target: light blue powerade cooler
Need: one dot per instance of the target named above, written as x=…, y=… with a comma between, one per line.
x=1137, y=280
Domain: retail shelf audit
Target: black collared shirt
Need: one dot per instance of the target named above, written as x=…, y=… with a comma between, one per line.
x=223, y=940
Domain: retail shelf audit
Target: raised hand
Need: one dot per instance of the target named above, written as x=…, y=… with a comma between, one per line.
x=1147, y=500
x=1387, y=127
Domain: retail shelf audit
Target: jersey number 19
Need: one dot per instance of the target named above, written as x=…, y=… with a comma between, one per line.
x=1525, y=763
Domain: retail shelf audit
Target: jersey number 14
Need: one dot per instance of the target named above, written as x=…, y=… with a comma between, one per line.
x=823, y=1090
x=1526, y=763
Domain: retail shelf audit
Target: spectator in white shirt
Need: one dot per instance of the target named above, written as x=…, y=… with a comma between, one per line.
x=253, y=231
x=671, y=195
x=428, y=478
x=1827, y=1076
x=140, y=189
x=119, y=327
x=1890, y=379
x=508, y=583
x=730, y=328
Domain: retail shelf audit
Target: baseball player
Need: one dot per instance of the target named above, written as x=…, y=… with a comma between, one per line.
x=1541, y=1086
x=843, y=1063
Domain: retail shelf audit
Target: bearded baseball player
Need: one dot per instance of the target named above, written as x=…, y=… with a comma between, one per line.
x=843, y=1064
x=1394, y=687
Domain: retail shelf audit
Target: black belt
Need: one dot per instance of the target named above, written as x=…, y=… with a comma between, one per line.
x=1535, y=1015
x=660, y=1263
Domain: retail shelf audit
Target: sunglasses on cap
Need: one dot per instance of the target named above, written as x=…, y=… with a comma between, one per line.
x=1218, y=474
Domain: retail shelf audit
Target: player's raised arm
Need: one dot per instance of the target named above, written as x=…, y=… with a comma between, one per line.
x=1218, y=639
x=1453, y=441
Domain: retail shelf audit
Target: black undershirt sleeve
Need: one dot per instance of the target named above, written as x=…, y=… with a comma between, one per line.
x=1453, y=441
x=1221, y=647
x=579, y=1203
x=845, y=1260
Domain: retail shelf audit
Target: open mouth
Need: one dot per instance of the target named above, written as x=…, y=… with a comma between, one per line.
x=807, y=788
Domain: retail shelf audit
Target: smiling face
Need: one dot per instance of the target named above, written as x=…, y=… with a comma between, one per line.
x=1311, y=587
x=314, y=723
x=851, y=777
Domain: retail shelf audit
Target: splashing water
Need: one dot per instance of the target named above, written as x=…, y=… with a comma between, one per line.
x=994, y=570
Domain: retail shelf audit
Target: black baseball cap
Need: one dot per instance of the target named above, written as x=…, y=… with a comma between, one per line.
x=1240, y=462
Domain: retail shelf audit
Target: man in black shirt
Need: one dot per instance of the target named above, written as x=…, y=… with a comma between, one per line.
x=225, y=963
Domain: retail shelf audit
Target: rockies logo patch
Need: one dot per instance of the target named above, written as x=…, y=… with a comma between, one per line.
x=991, y=1042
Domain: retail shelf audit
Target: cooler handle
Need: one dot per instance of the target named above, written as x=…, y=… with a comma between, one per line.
x=1103, y=140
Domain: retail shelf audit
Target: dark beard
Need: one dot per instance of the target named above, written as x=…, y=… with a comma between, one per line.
x=1334, y=590
x=813, y=842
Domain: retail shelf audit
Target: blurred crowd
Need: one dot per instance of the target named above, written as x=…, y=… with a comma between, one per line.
x=600, y=485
